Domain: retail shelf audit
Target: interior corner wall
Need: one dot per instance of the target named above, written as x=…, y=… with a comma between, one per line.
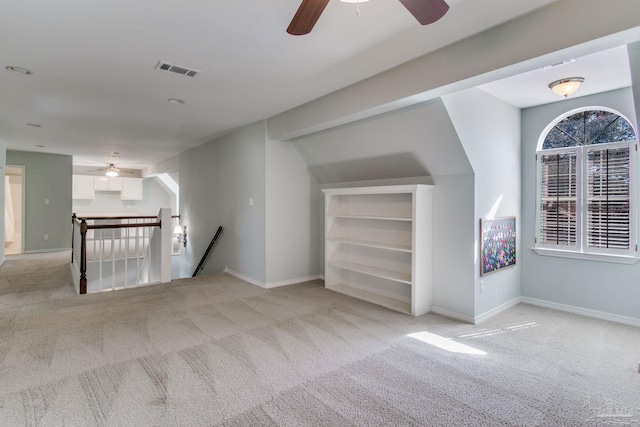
x=3, y=165
x=216, y=181
x=634, y=65
x=47, y=177
x=591, y=285
x=453, y=247
x=489, y=130
x=294, y=207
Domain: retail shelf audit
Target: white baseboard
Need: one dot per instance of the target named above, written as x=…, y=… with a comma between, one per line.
x=270, y=284
x=291, y=281
x=633, y=321
x=477, y=319
x=497, y=310
x=39, y=251
x=451, y=314
x=243, y=277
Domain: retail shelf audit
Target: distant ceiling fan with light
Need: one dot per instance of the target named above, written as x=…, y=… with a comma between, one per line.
x=111, y=170
x=425, y=11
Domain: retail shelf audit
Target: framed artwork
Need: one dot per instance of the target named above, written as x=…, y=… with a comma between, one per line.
x=498, y=244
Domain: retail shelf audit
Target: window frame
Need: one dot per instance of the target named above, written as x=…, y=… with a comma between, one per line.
x=581, y=250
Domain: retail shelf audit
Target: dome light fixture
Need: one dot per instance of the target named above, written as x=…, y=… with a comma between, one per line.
x=566, y=87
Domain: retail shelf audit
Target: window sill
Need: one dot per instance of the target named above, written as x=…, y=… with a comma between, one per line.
x=618, y=259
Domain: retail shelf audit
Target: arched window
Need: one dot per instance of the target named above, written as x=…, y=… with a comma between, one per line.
x=587, y=184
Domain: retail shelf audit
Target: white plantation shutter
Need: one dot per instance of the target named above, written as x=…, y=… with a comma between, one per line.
x=558, y=199
x=587, y=191
x=608, y=197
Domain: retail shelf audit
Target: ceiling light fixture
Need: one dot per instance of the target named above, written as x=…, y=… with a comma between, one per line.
x=19, y=70
x=566, y=87
x=112, y=170
x=357, y=4
x=176, y=101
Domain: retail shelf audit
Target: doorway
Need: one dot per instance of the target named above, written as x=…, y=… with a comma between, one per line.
x=14, y=210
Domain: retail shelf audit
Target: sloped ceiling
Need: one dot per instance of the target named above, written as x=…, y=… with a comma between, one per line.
x=412, y=142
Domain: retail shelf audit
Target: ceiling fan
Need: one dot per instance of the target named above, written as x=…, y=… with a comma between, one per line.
x=111, y=170
x=425, y=11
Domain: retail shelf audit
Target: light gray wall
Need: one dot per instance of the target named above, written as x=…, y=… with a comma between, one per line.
x=634, y=65
x=3, y=164
x=453, y=244
x=413, y=143
x=216, y=181
x=294, y=209
x=109, y=202
x=600, y=286
x=489, y=130
x=47, y=176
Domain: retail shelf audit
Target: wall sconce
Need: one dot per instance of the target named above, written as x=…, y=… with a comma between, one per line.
x=181, y=234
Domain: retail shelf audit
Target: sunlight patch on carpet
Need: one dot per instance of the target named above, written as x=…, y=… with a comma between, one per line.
x=446, y=343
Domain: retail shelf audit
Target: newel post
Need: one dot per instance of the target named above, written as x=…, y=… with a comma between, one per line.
x=83, y=256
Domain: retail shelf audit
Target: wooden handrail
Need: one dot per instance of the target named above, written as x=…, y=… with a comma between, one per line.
x=119, y=217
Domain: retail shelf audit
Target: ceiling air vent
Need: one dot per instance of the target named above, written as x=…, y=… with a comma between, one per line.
x=165, y=66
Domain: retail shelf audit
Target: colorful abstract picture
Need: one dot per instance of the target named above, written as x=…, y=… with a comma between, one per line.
x=498, y=249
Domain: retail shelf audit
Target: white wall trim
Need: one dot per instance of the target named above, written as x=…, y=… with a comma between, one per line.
x=243, y=277
x=451, y=314
x=497, y=310
x=270, y=284
x=291, y=281
x=38, y=251
x=477, y=319
x=583, y=311
x=618, y=259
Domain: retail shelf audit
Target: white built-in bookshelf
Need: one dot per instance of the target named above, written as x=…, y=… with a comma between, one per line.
x=378, y=245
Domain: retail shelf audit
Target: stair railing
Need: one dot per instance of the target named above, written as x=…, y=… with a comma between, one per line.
x=118, y=242
x=206, y=254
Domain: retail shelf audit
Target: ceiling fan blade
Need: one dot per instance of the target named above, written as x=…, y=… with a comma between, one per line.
x=306, y=17
x=426, y=11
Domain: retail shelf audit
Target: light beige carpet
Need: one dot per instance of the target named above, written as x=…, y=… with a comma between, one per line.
x=217, y=351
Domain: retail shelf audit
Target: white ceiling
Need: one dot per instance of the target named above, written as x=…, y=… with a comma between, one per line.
x=95, y=90
x=602, y=71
